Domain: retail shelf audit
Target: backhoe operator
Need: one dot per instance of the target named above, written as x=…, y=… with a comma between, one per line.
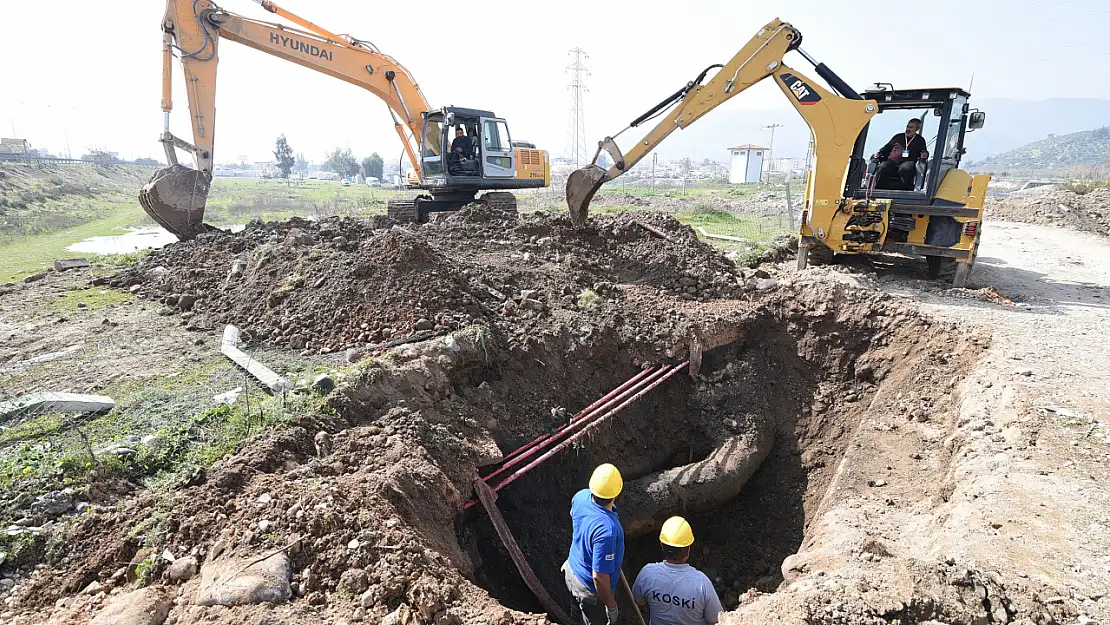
x=674, y=592
x=593, y=568
x=898, y=169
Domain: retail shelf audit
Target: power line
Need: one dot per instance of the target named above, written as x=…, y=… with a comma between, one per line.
x=1009, y=11
x=576, y=144
x=1070, y=45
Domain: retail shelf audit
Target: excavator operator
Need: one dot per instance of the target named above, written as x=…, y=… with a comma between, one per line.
x=462, y=144
x=899, y=159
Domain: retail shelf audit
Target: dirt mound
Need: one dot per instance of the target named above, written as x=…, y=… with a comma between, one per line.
x=365, y=498
x=340, y=283
x=1089, y=212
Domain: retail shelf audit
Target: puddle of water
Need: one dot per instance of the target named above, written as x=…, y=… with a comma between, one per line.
x=134, y=240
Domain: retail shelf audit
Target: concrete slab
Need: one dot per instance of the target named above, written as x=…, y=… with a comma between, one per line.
x=230, y=347
x=63, y=264
x=44, y=402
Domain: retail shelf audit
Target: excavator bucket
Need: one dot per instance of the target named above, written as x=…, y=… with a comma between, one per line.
x=175, y=198
x=582, y=184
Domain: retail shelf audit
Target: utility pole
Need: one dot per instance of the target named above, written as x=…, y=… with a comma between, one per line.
x=771, y=150
x=576, y=142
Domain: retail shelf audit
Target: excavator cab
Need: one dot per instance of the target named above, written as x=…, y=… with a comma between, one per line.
x=463, y=151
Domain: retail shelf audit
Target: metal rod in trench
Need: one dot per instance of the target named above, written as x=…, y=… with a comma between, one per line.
x=635, y=606
x=519, y=450
x=593, y=424
x=655, y=374
x=596, y=408
x=489, y=501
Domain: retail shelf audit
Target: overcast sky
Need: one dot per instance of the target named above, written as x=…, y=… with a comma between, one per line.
x=78, y=74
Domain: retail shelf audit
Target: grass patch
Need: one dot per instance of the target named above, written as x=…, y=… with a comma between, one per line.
x=238, y=200
x=1083, y=187
x=23, y=256
x=93, y=299
x=589, y=300
x=756, y=229
x=171, y=424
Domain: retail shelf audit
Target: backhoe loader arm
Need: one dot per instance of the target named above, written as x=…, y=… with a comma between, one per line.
x=835, y=120
x=175, y=197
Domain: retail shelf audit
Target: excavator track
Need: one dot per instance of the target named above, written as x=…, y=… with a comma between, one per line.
x=501, y=201
x=402, y=210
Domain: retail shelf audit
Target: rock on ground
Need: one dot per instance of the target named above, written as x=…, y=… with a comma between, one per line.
x=235, y=581
x=146, y=606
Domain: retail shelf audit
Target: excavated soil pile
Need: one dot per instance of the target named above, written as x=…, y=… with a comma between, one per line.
x=1048, y=205
x=360, y=508
x=340, y=283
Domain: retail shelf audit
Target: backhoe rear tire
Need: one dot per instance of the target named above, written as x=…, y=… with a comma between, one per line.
x=814, y=255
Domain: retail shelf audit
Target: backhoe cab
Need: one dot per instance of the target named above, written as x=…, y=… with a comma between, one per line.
x=938, y=216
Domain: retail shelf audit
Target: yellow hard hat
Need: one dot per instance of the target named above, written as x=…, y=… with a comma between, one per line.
x=676, y=532
x=606, y=482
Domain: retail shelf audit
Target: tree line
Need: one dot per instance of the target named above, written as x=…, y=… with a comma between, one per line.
x=342, y=162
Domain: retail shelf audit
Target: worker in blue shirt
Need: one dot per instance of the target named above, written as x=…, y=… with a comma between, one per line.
x=593, y=568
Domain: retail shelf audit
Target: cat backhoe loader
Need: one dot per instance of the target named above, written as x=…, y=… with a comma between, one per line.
x=486, y=160
x=844, y=211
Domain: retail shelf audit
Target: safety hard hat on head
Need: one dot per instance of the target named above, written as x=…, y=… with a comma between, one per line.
x=676, y=532
x=606, y=482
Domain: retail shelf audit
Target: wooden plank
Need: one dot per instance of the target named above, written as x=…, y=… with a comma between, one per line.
x=230, y=348
x=489, y=500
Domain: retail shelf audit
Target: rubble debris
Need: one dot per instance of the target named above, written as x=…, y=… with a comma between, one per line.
x=71, y=263
x=229, y=347
x=53, y=503
x=48, y=402
x=236, y=581
x=146, y=606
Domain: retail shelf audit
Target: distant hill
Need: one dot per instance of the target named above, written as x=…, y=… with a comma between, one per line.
x=1010, y=124
x=1077, y=153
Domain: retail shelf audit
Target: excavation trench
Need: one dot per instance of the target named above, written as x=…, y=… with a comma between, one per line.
x=732, y=451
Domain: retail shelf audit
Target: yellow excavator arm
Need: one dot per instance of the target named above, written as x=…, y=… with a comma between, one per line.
x=175, y=197
x=835, y=120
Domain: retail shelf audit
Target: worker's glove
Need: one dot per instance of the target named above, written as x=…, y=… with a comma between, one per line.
x=612, y=614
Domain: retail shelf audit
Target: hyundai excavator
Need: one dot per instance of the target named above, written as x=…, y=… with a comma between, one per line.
x=847, y=210
x=487, y=160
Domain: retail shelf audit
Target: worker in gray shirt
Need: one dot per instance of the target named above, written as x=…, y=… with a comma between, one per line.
x=674, y=592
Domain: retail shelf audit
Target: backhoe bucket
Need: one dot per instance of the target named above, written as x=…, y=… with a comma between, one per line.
x=582, y=184
x=175, y=198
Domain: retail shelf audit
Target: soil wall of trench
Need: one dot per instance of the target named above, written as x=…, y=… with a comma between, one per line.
x=366, y=498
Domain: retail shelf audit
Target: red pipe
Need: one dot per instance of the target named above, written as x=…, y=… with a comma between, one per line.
x=519, y=450
x=652, y=381
x=581, y=419
x=531, y=465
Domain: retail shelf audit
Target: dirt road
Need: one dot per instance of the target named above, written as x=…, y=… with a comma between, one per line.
x=1037, y=503
x=1002, y=500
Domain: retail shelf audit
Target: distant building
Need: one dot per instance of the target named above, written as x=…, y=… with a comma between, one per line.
x=747, y=163
x=14, y=146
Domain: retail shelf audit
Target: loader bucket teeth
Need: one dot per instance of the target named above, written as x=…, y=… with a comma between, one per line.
x=175, y=198
x=582, y=184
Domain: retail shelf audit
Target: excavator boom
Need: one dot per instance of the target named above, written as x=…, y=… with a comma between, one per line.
x=836, y=120
x=175, y=197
